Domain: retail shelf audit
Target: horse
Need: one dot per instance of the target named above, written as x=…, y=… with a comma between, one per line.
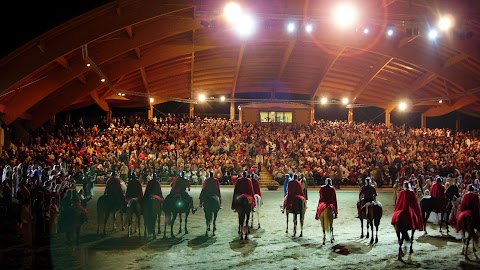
x=402, y=235
x=211, y=206
x=72, y=219
x=326, y=218
x=428, y=204
x=133, y=208
x=175, y=205
x=243, y=207
x=106, y=205
x=467, y=225
x=299, y=207
x=258, y=206
x=372, y=212
x=152, y=211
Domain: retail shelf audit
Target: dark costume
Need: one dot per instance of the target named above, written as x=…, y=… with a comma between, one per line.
x=243, y=186
x=368, y=193
x=328, y=198
x=134, y=189
x=294, y=190
x=210, y=187
x=154, y=190
x=470, y=205
x=113, y=188
x=179, y=189
x=407, y=211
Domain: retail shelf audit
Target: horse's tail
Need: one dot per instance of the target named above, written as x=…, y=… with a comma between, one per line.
x=101, y=207
x=148, y=215
x=326, y=217
x=471, y=228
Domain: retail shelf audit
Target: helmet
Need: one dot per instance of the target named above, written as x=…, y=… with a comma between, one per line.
x=407, y=185
x=132, y=176
x=328, y=182
x=368, y=181
x=439, y=179
x=211, y=174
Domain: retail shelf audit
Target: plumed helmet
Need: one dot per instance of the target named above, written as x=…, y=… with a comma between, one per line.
x=439, y=179
x=328, y=182
x=154, y=176
x=211, y=174
x=295, y=176
x=470, y=187
x=407, y=184
x=244, y=173
x=368, y=181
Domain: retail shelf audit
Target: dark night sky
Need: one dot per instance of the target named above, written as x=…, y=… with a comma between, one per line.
x=24, y=20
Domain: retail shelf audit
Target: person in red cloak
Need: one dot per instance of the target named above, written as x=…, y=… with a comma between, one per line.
x=243, y=186
x=113, y=188
x=407, y=211
x=210, y=187
x=180, y=187
x=437, y=191
x=470, y=205
x=294, y=190
x=256, y=185
x=328, y=198
x=134, y=188
x=154, y=189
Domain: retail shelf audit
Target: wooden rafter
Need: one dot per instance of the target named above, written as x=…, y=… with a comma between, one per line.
x=237, y=69
x=330, y=65
x=455, y=59
x=371, y=74
x=444, y=109
x=129, y=31
x=100, y=102
x=144, y=80
x=63, y=61
x=82, y=78
x=138, y=53
x=283, y=64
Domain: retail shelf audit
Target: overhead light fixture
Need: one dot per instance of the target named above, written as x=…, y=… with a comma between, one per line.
x=323, y=100
x=222, y=98
x=291, y=26
x=345, y=101
x=102, y=79
x=309, y=27
x=152, y=100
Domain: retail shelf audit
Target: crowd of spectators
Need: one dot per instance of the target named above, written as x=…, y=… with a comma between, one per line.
x=345, y=152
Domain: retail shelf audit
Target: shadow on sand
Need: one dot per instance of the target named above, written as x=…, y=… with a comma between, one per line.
x=201, y=241
x=245, y=247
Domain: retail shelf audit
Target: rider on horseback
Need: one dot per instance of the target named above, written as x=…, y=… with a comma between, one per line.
x=210, y=187
x=153, y=188
x=113, y=188
x=179, y=188
x=328, y=198
x=243, y=186
x=367, y=194
x=407, y=210
x=294, y=189
x=437, y=191
x=470, y=204
x=134, y=188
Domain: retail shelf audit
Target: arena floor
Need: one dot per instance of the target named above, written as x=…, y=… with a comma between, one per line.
x=268, y=247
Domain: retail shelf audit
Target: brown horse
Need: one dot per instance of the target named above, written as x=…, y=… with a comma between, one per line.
x=467, y=226
x=175, y=205
x=402, y=235
x=298, y=209
x=326, y=218
x=108, y=205
x=152, y=211
x=243, y=207
x=211, y=206
x=372, y=212
x=133, y=209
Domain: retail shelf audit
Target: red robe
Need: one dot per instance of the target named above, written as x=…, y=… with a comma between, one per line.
x=244, y=186
x=328, y=198
x=134, y=190
x=179, y=185
x=113, y=188
x=437, y=191
x=294, y=190
x=211, y=186
x=256, y=187
x=407, y=211
x=470, y=205
x=154, y=189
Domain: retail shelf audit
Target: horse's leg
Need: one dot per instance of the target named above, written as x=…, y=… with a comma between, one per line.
x=286, y=212
x=302, y=217
x=114, y=219
x=361, y=226
x=447, y=219
x=180, y=227
x=258, y=213
x=323, y=228
x=105, y=219
x=371, y=229
x=77, y=235
x=411, y=241
x=425, y=220
x=186, y=222
x=464, y=241
x=368, y=228
x=332, y=238
x=295, y=224
x=121, y=220
x=214, y=223
x=174, y=216
x=466, y=247
x=376, y=233
x=441, y=221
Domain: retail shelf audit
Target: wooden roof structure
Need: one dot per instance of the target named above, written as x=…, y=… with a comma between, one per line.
x=175, y=49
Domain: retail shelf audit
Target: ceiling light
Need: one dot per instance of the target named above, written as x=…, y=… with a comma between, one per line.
x=323, y=100
x=152, y=100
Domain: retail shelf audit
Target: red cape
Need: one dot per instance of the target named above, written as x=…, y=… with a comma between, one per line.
x=244, y=186
x=407, y=211
x=180, y=185
x=153, y=188
x=437, y=191
x=328, y=198
x=294, y=189
x=256, y=187
x=470, y=205
x=211, y=186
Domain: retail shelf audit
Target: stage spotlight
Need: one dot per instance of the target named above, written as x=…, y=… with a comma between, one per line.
x=152, y=100
x=433, y=34
x=345, y=15
x=345, y=101
x=309, y=27
x=245, y=25
x=232, y=12
x=445, y=23
x=402, y=106
x=291, y=27
x=323, y=100
x=202, y=97
x=390, y=32
x=365, y=30
x=440, y=101
x=102, y=79
x=222, y=98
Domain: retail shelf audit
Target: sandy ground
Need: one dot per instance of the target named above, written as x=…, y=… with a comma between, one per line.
x=267, y=248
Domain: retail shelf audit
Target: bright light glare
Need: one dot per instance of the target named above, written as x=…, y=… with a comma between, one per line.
x=232, y=12
x=390, y=32
x=291, y=27
x=245, y=25
x=440, y=101
x=345, y=14
x=222, y=98
x=445, y=23
x=432, y=34
x=345, y=101
x=402, y=106
x=323, y=100
x=309, y=28
x=152, y=100
x=102, y=80
x=202, y=97
x=365, y=31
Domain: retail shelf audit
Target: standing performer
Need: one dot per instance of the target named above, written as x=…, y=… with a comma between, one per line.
x=113, y=188
x=328, y=198
x=210, y=187
x=243, y=186
x=368, y=193
x=294, y=189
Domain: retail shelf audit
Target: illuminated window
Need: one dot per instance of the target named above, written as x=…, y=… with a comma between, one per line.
x=278, y=117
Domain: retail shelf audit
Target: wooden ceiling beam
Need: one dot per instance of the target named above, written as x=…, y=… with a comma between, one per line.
x=444, y=109
x=144, y=80
x=324, y=75
x=82, y=78
x=237, y=69
x=129, y=31
x=371, y=74
x=454, y=59
x=63, y=62
x=100, y=102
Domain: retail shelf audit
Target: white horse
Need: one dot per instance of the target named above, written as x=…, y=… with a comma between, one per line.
x=258, y=206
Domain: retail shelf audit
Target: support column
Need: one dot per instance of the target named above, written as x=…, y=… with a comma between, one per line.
x=150, y=112
x=191, y=111
x=232, y=110
x=350, y=115
x=423, y=121
x=109, y=117
x=312, y=113
x=387, y=118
